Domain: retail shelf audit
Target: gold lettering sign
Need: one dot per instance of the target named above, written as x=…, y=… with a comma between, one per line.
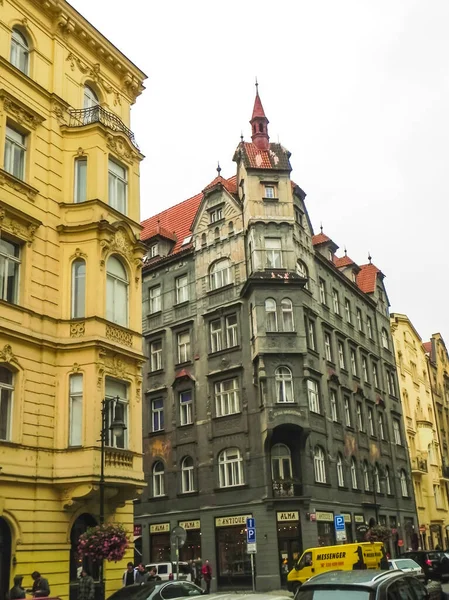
x=288, y=516
x=347, y=517
x=160, y=528
x=325, y=516
x=359, y=518
x=189, y=525
x=230, y=521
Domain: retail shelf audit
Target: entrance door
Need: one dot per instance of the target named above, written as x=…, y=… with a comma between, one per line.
x=5, y=558
x=289, y=553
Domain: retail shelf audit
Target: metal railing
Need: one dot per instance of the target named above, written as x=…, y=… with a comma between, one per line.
x=97, y=114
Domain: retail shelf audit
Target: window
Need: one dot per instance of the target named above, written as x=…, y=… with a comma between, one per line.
x=366, y=476
x=183, y=340
x=90, y=100
x=216, y=215
x=387, y=481
x=227, y=397
x=354, y=474
x=370, y=421
x=230, y=468
x=436, y=492
x=287, y=315
x=116, y=292
x=220, y=274
x=313, y=396
x=365, y=369
x=271, y=315
x=215, y=336
x=375, y=376
x=80, y=192
x=281, y=463
x=9, y=270
x=157, y=414
x=6, y=395
x=310, y=327
x=231, y=331
x=327, y=346
x=153, y=250
x=155, y=298
x=15, y=152
x=158, y=479
x=156, y=355
x=340, y=473
x=269, y=192
x=341, y=355
x=303, y=272
x=333, y=403
x=385, y=339
x=353, y=362
x=78, y=288
x=359, y=416
x=348, y=310
x=376, y=479
x=187, y=479
x=404, y=487
x=182, y=289
x=284, y=385
x=118, y=184
x=336, y=302
x=391, y=383
x=299, y=217
x=359, y=319
x=117, y=391
x=347, y=406
x=75, y=409
x=185, y=408
x=20, y=51
x=319, y=465
x=397, y=433
x=381, y=427
x=230, y=326
x=322, y=288
x=369, y=327
x=273, y=253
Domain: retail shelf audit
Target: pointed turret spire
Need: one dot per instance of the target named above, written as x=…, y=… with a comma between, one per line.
x=259, y=124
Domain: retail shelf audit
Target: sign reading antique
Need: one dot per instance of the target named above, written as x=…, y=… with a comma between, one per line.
x=288, y=516
x=230, y=521
x=325, y=516
x=189, y=525
x=160, y=528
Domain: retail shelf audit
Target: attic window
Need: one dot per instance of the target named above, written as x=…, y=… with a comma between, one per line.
x=269, y=192
x=216, y=215
x=187, y=240
x=354, y=276
x=153, y=251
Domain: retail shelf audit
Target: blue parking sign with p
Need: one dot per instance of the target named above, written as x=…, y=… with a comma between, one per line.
x=339, y=522
x=250, y=530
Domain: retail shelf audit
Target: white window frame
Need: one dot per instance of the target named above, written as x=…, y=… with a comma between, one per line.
x=391, y=383
x=216, y=215
x=281, y=462
x=230, y=468
x=78, y=300
x=397, y=433
x=157, y=415
x=155, y=355
x=183, y=347
x=220, y=274
x=384, y=336
x=347, y=410
x=182, y=289
x=231, y=326
x=369, y=327
x=370, y=421
x=303, y=271
x=227, y=397
x=328, y=346
x=348, y=310
x=19, y=51
x=365, y=369
x=15, y=152
x=336, y=301
x=353, y=356
x=185, y=407
x=75, y=409
x=359, y=412
x=117, y=390
x=114, y=309
x=273, y=253
x=8, y=261
x=80, y=180
x=269, y=191
x=284, y=385
x=7, y=396
x=288, y=322
x=381, y=426
x=117, y=180
x=333, y=405
x=153, y=250
x=311, y=334
x=158, y=477
x=155, y=299
x=319, y=465
x=322, y=290
x=354, y=478
x=313, y=396
x=375, y=376
x=376, y=479
x=271, y=315
x=341, y=355
x=187, y=475
x=340, y=472
x=359, y=319
x=404, y=486
x=366, y=481
x=387, y=481
x=216, y=335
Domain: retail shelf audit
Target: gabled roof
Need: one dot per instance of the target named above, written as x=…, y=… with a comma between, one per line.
x=161, y=232
x=427, y=347
x=367, y=278
x=230, y=185
x=320, y=238
x=275, y=158
x=343, y=261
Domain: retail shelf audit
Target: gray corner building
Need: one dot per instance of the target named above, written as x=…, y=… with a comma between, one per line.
x=270, y=386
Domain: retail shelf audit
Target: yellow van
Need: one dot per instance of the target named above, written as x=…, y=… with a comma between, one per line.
x=345, y=557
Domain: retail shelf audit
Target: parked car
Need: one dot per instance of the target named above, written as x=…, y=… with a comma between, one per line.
x=434, y=563
x=157, y=590
x=408, y=565
x=167, y=570
x=363, y=585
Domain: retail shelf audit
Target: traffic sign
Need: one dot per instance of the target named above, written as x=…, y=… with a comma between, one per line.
x=251, y=548
x=339, y=522
x=250, y=523
x=340, y=535
x=250, y=530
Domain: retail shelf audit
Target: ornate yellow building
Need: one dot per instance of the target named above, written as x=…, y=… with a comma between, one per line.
x=70, y=269
x=422, y=432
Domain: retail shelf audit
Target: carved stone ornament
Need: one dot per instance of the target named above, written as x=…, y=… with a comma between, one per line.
x=18, y=228
x=116, y=366
x=77, y=329
x=78, y=254
x=65, y=24
x=21, y=113
x=60, y=112
x=75, y=368
x=7, y=355
x=93, y=72
x=119, y=243
x=132, y=86
x=18, y=185
x=119, y=336
x=120, y=148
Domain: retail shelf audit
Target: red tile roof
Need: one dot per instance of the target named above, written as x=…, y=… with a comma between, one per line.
x=367, y=278
x=258, y=110
x=276, y=157
x=343, y=261
x=320, y=238
x=229, y=184
x=162, y=232
x=428, y=347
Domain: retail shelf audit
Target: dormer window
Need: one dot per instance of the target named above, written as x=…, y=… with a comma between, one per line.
x=330, y=255
x=216, y=215
x=153, y=251
x=353, y=276
x=269, y=192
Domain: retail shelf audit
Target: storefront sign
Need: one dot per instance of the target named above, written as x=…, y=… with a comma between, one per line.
x=325, y=516
x=288, y=516
x=160, y=528
x=137, y=530
x=230, y=521
x=347, y=517
x=359, y=519
x=189, y=525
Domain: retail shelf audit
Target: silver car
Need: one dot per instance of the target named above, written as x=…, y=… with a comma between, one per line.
x=408, y=566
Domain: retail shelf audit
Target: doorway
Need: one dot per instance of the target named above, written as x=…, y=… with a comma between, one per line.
x=290, y=548
x=80, y=526
x=5, y=558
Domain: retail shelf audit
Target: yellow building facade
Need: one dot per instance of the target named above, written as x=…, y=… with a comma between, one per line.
x=70, y=271
x=422, y=433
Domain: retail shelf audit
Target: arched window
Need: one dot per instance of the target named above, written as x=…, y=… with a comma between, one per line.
x=376, y=479
x=366, y=476
x=354, y=474
x=6, y=394
x=78, y=288
x=301, y=269
x=203, y=239
x=261, y=127
x=188, y=484
x=404, y=487
x=340, y=473
x=284, y=385
x=281, y=462
x=319, y=465
x=116, y=292
x=217, y=233
x=90, y=98
x=287, y=315
x=220, y=274
x=20, y=51
x=271, y=315
x=158, y=479
x=231, y=228
x=230, y=468
x=385, y=339
x=387, y=481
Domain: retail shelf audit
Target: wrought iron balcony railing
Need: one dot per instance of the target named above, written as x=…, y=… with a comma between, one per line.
x=97, y=114
x=419, y=464
x=286, y=488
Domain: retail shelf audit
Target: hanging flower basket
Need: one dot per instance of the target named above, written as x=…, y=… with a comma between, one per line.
x=103, y=542
x=378, y=533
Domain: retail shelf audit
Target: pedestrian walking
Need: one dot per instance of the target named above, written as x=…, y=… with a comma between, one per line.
x=142, y=574
x=41, y=588
x=87, y=586
x=17, y=592
x=206, y=572
x=129, y=576
x=152, y=575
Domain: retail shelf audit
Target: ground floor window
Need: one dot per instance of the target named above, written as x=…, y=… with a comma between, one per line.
x=192, y=547
x=233, y=563
x=326, y=534
x=160, y=547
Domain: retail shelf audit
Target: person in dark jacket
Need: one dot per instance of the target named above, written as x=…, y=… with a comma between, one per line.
x=87, y=587
x=17, y=592
x=40, y=588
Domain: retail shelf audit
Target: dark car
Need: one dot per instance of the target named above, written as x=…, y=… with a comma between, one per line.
x=362, y=585
x=434, y=563
x=157, y=590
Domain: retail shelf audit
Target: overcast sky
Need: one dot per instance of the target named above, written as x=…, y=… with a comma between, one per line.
x=357, y=90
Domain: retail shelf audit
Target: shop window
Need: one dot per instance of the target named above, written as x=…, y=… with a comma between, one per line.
x=271, y=315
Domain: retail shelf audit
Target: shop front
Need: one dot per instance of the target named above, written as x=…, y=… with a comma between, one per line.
x=191, y=550
x=233, y=562
x=325, y=528
x=160, y=550
x=361, y=528
x=289, y=541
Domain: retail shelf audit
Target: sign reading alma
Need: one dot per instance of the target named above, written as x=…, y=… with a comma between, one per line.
x=325, y=516
x=288, y=516
x=189, y=525
x=160, y=528
x=230, y=521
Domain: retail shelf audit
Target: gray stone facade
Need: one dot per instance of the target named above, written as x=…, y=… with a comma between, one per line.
x=264, y=371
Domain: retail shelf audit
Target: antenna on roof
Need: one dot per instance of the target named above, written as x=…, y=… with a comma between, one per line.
x=321, y=227
x=241, y=136
x=218, y=169
x=369, y=257
x=257, y=86
x=346, y=252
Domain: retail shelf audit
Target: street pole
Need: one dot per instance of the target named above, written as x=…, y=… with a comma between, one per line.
x=252, y=572
x=103, y=435
x=376, y=508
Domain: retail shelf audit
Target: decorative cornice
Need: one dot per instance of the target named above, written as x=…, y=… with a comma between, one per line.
x=18, y=185
x=94, y=72
x=20, y=112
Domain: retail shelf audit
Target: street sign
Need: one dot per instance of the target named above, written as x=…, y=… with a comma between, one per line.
x=339, y=522
x=251, y=548
x=250, y=523
x=340, y=535
x=251, y=531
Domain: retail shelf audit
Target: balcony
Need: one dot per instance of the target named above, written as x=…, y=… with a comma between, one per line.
x=419, y=465
x=445, y=472
x=286, y=488
x=97, y=114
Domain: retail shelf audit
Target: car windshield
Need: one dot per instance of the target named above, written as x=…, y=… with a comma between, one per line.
x=406, y=563
x=335, y=594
